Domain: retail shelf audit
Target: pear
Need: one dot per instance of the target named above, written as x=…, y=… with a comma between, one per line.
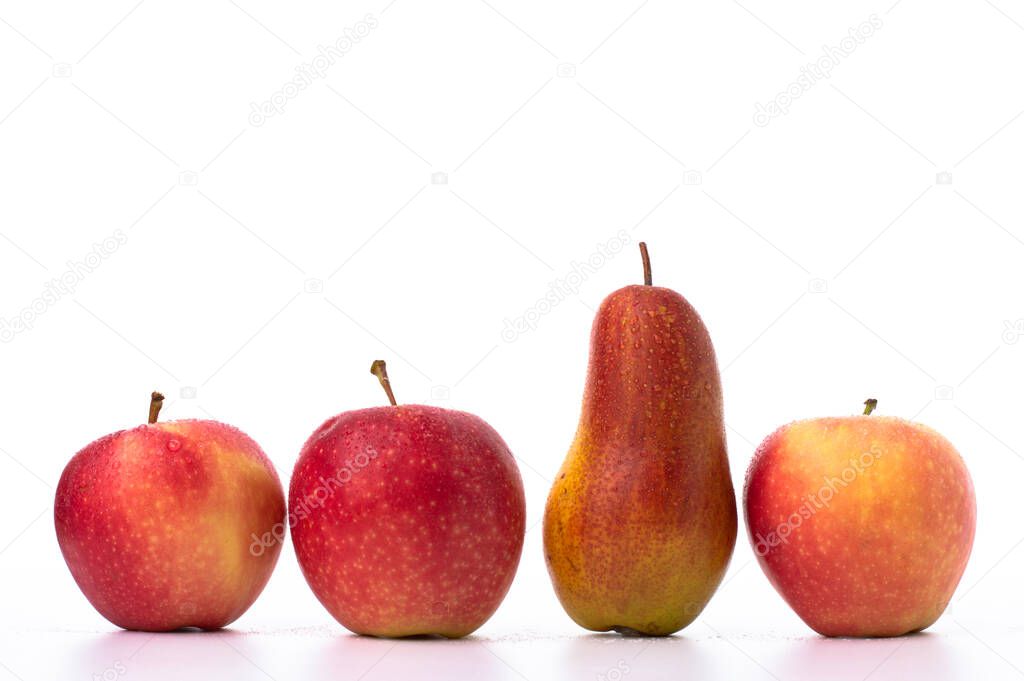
x=640, y=523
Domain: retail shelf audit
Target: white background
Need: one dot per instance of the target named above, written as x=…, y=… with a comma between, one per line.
x=826, y=259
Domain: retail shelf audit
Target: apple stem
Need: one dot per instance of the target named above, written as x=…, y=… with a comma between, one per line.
x=869, y=406
x=380, y=370
x=156, y=401
x=647, y=263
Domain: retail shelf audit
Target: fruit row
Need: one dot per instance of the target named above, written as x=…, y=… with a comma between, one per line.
x=409, y=519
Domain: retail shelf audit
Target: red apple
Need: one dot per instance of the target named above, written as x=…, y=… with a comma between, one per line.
x=157, y=523
x=863, y=524
x=408, y=519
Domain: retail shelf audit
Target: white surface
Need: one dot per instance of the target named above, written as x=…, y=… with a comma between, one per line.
x=325, y=654
x=209, y=290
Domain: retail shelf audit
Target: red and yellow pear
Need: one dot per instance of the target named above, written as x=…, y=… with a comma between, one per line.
x=641, y=521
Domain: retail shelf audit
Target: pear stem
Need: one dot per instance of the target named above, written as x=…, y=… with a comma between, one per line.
x=647, y=263
x=156, y=401
x=869, y=406
x=380, y=370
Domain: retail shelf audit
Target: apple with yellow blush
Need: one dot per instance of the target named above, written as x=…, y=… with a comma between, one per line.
x=156, y=523
x=864, y=524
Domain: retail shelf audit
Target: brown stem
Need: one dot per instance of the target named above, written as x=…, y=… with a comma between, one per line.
x=647, y=263
x=380, y=370
x=869, y=406
x=156, y=401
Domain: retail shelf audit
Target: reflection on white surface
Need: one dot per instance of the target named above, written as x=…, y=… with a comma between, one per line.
x=328, y=653
x=923, y=655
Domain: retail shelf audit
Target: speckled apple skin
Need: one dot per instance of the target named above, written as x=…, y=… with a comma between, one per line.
x=156, y=524
x=640, y=523
x=408, y=520
x=884, y=555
